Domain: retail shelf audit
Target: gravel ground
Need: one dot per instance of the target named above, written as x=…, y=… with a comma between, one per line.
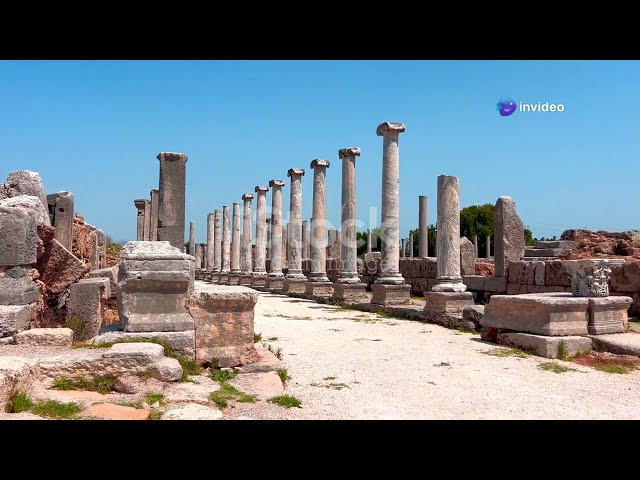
x=384, y=368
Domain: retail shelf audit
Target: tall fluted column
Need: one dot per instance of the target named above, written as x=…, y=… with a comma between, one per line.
x=305, y=240
x=319, y=222
x=348, y=243
x=192, y=239
x=226, y=239
x=147, y=220
x=449, y=278
x=423, y=226
x=210, y=241
x=411, y=245
x=261, y=230
x=235, y=240
x=155, y=205
x=276, y=227
x=139, y=203
x=390, y=229
x=295, y=224
x=403, y=248
x=246, y=235
x=217, y=242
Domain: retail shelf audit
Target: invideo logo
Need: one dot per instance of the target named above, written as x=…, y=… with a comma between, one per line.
x=506, y=106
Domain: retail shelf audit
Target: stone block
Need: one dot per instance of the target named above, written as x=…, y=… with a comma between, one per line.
x=495, y=284
x=429, y=267
x=447, y=302
x=18, y=291
x=258, y=281
x=166, y=370
x=18, y=237
x=224, y=326
x=556, y=273
x=545, y=289
x=85, y=307
x=25, y=183
x=547, y=252
x=508, y=236
x=390, y=294
x=154, y=285
x=553, y=314
x=545, y=346
x=111, y=273
x=474, y=282
x=522, y=272
x=608, y=314
x=183, y=343
x=17, y=374
x=15, y=318
x=467, y=257
x=143, y=353
x=228, y=279
x=538, y=276
x=319, y=289
x=59, y=268
x=245, y=280
x=55, y=337
x=274, y=283
x=473, y=312
x=567, y=244
x=350, y=292
x=625, y=278
x=618, y=343
x=516, y=289
x=31, y=204
x=294, y=285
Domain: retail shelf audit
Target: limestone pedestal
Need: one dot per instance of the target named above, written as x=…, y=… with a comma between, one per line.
x=258, y=281
x=350, y=292
x=294, y=285
x=223, y=279
x=544, y=346
x=608, y=314
x=386, y=295
x=442, y=307
x=245, y=280
x=214, y=277
x=200, y=272
x=319, y=289
x=153, y=287
x=274, y=283
x=233, y=279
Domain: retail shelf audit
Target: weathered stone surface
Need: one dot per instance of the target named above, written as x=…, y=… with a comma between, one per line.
x=85, y=306
x=556, y=273
x=18, y=237
x=266, y=362
x=618, y=343
x=545, y=289
x=539, y=273
x=196, y=390
x=153, y=290
x=274, y=283
x=567, y=244
x=516, y=289
x=319, y=289
x=447, y=302
x=495, y=284
x=111, y=411
x=17, y=374
x=350, y=292
x=182, y=342
x=294, y=285
x=171, y=214
x=223, y=319
x=391, y=294
x=167, y=370
x=553, y=314
x=545, y=346
x=29, y=204
x=258, y=281
x=61, y=211
x=142, y=352
x=473, y=312
x=509, y=235
x=467, y=257
x=625, y=278
x=608, y=315
x=263, y=385
x=192, y=411
x=474, y=282
x=522, y=272
x=18, y=291
x=111, y=273
x=547, y=252
x=26, y=183
x=60, y=337
x=59, y=268
x=128, y=384
x=15, y=318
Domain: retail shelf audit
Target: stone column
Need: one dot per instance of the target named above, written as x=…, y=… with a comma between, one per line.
x=210, y=241
x=139, y=203
x=319, y=283
x=247, y=268
x=389, y=287
x=259, y=269
x=234, y=277
x=217, y=242
x=348, y=286
x=62, y=205
x=276, y=277
x=147, y=221
x=411, y=245
x=268, y=232
x=423, y=226
x=448, y=277
x=369, y=241
x=155, y=205
x=305, y=240
x=226, y=244
x=488, y=247
x=205, y=256
x=192, y=239
x=295, y=279
x=403, y=248
x=198, y=255
x=508, y=235
x=475, y=245
x=173, y=169
x=448, y=296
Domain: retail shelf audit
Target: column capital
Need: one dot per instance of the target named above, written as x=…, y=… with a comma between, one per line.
x=261, y=188
x=320, y=163
x=139, y=203
x=154, y=190
x=295, y=171
x=276, y=183
x=172, y=156
x=349, y=152
x=389, y=128
x=247, y=196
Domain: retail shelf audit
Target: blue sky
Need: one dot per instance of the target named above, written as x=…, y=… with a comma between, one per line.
x=95, y=128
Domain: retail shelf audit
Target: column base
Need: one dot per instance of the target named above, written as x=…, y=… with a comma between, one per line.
x=319, y=289
x=274, y=283
x=318, y=277
x=350, y=292
x=349, y=278
x=390, y=279
x=214, y=277
x=223, y=278
x=258, y=281
x=245, y=279
x=441, y=305
x=200, y=273
x=294, y=285
x=384, y=294
x=449, y=284
x=233, y=279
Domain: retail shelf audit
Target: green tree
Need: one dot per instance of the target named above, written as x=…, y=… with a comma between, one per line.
x=528, y=237
x=432, y=242
x=477, y=220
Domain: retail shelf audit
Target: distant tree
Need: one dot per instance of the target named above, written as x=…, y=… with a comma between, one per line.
x=416, y=241
x=528, y=237
x=477, y=220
